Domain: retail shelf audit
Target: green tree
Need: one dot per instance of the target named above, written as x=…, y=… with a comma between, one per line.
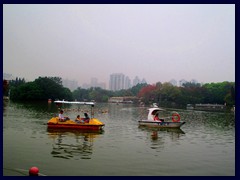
x=169, y=94
x=230, y=97
x=135, y=89
x=81, y=94
x=191, y=94
x=216, y=92
x=41, y=89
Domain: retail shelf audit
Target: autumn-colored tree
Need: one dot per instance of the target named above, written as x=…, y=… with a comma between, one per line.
x=148, y=93
x=5, y=87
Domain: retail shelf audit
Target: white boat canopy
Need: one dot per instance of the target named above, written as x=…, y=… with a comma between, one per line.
x=152, y=112
x=74, y=102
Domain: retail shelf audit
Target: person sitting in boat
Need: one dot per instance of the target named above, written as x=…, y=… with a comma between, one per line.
x=156, y=118
x=61, y=117
x=86, y=117
x=79, y=120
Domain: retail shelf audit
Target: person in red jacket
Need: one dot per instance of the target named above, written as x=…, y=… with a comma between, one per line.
x=156, y=118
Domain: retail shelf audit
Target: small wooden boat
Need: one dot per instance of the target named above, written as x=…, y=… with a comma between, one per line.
x=152, y=121
x=91, y=124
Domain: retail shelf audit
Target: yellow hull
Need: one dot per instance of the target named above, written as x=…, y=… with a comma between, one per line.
x=93, y=124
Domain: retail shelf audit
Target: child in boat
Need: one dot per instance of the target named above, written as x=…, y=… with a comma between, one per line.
x=61, y=117
x=79, y=120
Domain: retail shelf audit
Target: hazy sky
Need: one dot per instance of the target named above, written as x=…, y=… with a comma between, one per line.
x=158, y=42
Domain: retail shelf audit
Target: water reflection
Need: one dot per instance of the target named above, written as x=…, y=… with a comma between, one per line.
x=158, y=136
x=5, y=106
x=168, y=130
x=72, y=144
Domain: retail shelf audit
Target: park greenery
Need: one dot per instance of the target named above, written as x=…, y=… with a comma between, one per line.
x=165, y=94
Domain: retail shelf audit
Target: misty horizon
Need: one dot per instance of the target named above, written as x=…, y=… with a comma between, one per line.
x=87, y=85
x=157, y=42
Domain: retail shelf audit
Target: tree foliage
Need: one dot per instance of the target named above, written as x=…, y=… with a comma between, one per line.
x=217, y=92
x=41, y=89
x=5, y=87
x=168, y=95
x=147, y=93
x=165, y=94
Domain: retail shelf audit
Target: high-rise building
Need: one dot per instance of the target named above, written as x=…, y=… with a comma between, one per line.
x=116, y=81
x=143, y=81
x=173, y=82
x=181, y=82
x=119, y=81
x=136, y=81
x=194, y=81
x=127, y=83
x=70, y=84
x=94, y=82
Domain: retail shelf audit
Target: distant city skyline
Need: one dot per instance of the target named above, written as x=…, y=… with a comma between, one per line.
x=73, y=84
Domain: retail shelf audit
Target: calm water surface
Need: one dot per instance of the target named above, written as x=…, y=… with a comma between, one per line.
x=205, y=145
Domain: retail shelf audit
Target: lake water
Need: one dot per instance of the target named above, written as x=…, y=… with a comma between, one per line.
x=204, y=146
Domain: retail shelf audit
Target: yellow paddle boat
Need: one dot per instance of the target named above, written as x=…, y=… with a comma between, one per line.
x=83, y=124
